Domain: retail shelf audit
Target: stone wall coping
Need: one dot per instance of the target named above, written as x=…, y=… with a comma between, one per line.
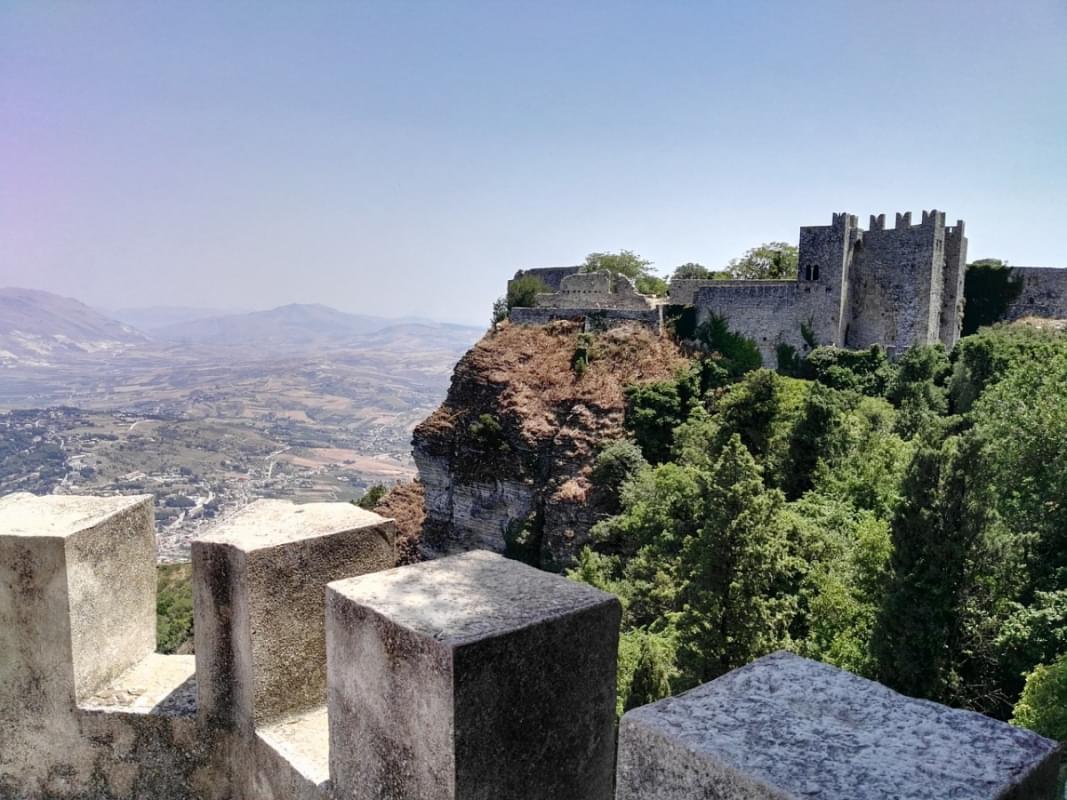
x=468, y=597
x=797, y=725
x=269, y=523
x=58, y=515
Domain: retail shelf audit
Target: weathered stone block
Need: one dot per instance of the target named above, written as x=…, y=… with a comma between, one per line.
x=259, y=583
x=471, y=677
x=77, y=593
x=786, y=727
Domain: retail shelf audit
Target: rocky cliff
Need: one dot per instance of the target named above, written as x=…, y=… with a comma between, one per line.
x=504, y=461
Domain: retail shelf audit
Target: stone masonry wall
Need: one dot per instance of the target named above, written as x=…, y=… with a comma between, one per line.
x=594, y=318
x=552, y=277
x=1044, y=293
x=768, y=312
x=896, y=285
x=600, y=289
x=472, y=677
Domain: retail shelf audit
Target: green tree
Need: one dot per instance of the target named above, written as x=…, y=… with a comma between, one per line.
x=772, y=260
x=693, y=271
x=653, y=669
x=817, y=436
x=986, y=357
x=618, y=462
x=630, y=265
x=654, y=410
x=936, y=533
x=734, y=570
x=523, y=291
x=918, y=387
x=1043, y=705
x=989, y=287
x=1021, y=423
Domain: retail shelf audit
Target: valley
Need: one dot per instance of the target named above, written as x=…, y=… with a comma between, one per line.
x=296, y=406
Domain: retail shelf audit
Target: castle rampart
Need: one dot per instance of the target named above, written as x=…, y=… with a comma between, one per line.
x=1043, y=293
x=468, y=677
x=893, y=286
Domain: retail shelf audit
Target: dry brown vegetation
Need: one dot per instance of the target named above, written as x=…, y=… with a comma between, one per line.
x=404, y=503
x=528, y=370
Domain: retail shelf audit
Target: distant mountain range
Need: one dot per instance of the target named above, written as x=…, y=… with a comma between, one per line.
x=152, y=318
x=295, y=325
x=39, y=328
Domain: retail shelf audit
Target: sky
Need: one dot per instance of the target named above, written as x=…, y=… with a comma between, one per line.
x=406, y=158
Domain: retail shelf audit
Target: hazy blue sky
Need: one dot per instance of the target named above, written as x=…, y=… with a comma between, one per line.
x=405, y=158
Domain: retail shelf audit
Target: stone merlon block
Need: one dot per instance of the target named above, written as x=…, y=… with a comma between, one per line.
x=471, y=677
x=259, y=583
x=785, y=727
x=77, y=595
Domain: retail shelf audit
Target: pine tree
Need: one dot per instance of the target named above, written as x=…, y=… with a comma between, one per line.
x=936, y=532
x=735, y=570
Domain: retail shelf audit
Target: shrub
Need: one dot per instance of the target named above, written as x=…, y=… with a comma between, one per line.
x=523, y=291
x=488, y=434
x=739, y=354
x=865, y=371
x=372, y=497
x=1043, y=706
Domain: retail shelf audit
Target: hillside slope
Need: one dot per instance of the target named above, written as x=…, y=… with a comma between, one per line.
x=39, y=328
x=504, y=460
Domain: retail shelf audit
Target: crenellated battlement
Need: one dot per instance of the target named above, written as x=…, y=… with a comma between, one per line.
x=322, y=673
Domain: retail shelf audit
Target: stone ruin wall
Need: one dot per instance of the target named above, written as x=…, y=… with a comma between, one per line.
x=594, y=319
x=601, y=299
x=321, y=673
x=552, y=277
x=1044, y=293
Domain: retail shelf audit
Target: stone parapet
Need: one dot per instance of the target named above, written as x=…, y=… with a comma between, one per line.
x=259, y=583
x=471, y=677
x=786, y=727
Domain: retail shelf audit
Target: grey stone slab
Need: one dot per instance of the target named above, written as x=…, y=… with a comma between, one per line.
x=471, y=677
x=787, y=727
x=259, y=583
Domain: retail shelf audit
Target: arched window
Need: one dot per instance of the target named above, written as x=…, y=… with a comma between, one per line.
x=815, y=272
x=807, y=272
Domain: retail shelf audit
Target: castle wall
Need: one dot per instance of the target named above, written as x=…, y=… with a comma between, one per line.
x=600, y=289
x=952, y=299
x=1044, y=293
x=472, y=676
x=896, y=284
x=594, y=318
x=768, y=312
x=552, y=277
x=825, y=254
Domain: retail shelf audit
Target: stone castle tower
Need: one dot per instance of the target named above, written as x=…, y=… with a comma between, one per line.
x=896, y=287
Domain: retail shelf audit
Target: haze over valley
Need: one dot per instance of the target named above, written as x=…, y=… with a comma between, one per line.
x=208, y=410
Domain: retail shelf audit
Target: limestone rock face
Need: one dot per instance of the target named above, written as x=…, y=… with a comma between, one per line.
x=504, y=461
x=786, y=727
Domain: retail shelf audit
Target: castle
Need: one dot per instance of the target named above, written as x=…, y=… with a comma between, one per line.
x=323, y=673
x=895, y=287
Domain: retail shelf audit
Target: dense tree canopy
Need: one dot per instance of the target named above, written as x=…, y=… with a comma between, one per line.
x=904, y=519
